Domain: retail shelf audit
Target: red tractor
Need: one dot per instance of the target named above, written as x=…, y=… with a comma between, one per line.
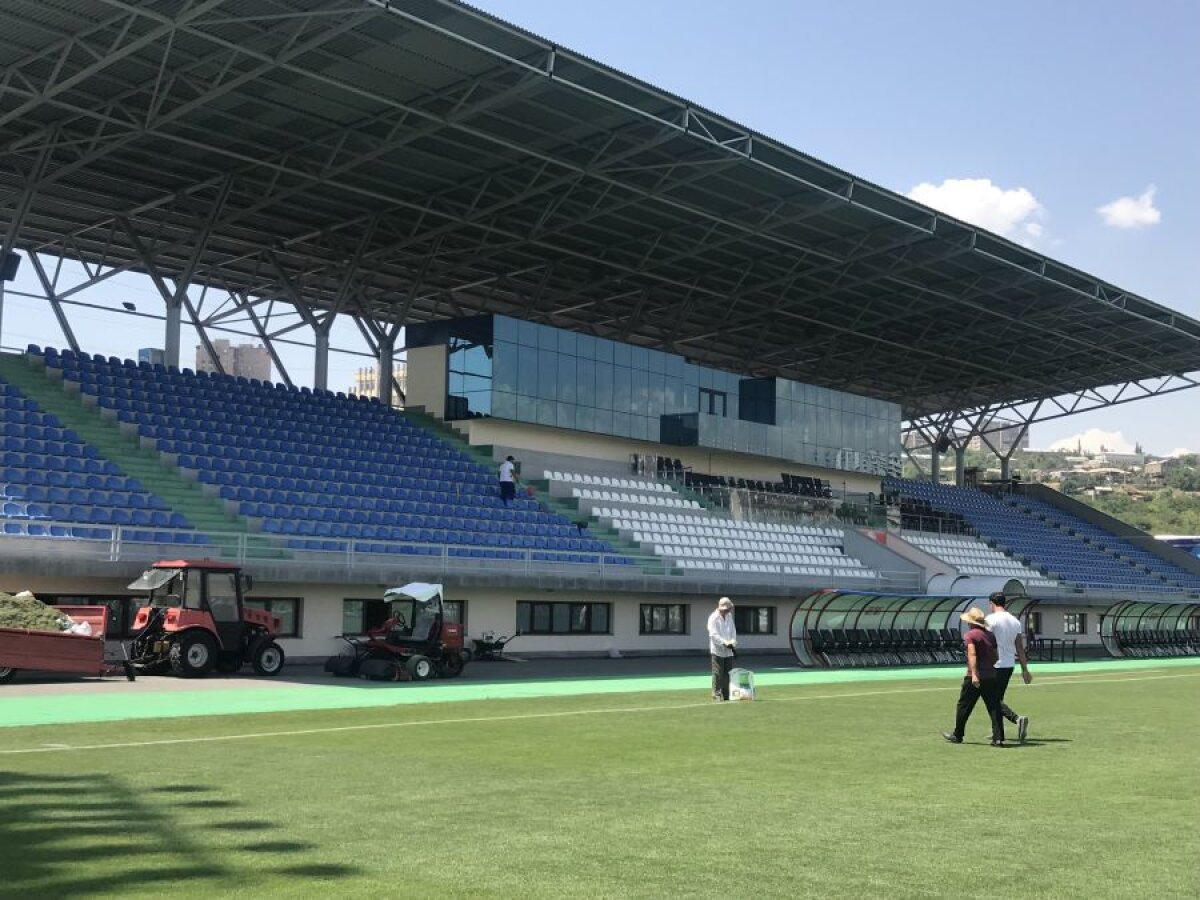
x=415, y=643
x=197, y=621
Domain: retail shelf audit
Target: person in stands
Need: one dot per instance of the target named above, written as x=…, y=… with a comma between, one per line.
x=508, y=480
x=980, y=680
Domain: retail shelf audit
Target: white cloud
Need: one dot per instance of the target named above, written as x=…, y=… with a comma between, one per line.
x=1013, y=213
x=1093, y=439
x=1180, y=451
x=1131, y=212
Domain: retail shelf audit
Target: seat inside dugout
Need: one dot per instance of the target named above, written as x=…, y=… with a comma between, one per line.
x=834, y=629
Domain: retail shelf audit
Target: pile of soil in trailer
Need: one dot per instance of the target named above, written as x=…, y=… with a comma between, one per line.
x=24, y=610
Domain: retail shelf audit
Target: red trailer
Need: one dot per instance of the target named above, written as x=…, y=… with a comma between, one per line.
x=60, y=651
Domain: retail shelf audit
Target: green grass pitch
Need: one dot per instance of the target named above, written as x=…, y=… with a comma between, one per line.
x=812, y=791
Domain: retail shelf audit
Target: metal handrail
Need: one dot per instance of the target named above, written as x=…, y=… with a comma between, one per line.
x=244, y=547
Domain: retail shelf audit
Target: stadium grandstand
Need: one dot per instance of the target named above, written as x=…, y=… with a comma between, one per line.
x=702, y=347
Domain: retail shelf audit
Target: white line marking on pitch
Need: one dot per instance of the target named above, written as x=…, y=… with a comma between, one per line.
x=62, y=748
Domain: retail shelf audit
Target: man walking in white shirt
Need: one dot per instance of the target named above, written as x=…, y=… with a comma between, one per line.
x=1011, y=646
x=722, y=646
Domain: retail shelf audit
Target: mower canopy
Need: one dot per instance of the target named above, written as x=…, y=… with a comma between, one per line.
x=417, y=590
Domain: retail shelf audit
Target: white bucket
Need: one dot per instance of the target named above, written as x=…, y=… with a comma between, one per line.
x=741, y=684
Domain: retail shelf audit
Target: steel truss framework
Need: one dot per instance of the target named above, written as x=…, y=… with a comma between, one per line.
x=402, y=161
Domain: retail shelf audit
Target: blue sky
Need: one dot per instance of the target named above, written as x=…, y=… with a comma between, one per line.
x=1028, y=118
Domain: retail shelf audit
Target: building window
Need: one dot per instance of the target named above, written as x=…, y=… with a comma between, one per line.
x=1075, y=623
x=287, y=608
x=714, y=403
x=455, y=612
x=663, y=618
x=360, y=616
x=754, y=619
x=469, y=379
x=563, y=618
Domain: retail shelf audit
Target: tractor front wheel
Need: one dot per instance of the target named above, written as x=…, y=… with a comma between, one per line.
x=420, y=668
x=193, y=654
x=267, y=658
x=7, y=673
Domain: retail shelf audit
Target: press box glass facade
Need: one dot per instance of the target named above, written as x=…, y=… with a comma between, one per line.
x=511, y=369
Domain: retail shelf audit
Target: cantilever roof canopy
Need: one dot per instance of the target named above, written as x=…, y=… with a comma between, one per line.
x=417, y=159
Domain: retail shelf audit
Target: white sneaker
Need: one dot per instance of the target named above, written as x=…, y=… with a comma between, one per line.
x=1022, y=728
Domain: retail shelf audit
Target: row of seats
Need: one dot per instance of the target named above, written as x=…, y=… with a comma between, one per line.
x=1160, y=642
x=604, y=481
x=358, y=468
x=1051, y=551
x=669, y=501
x=971, y=556
x=1105, y=540
x=885, y=646
x=22, y=529
x=740, y=566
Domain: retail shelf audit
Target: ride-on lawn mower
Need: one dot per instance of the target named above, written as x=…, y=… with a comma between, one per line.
x=197, y=620
x=415, y=643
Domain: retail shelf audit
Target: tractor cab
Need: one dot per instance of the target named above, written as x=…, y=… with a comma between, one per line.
x=196, y=620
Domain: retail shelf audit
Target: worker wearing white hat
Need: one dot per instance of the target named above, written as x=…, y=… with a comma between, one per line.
x=722, y=646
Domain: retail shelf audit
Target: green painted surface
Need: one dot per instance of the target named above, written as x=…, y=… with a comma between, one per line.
x=143, y=701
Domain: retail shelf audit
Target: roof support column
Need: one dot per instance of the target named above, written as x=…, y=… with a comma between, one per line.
x=935, y=465
x=20, y=210
x=55, y=304
x=387, y=347
x=960, y=464
x=171, y=331
x=321, y=355
x=1006, y=459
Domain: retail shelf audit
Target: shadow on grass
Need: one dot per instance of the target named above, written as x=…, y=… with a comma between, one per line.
x=80, y=834
x=1034, y=742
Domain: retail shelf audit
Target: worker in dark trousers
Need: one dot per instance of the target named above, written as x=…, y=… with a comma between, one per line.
x=1010, y=644
x=722, y=647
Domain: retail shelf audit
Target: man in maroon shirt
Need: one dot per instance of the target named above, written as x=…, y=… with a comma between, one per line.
x=980, y=680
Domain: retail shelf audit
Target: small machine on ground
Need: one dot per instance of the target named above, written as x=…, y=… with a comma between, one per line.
x=197, y=621
x=415, y=643
x=490, y=646
x=61, y=651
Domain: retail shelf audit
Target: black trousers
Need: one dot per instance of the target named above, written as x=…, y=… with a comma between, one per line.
x=720, y=669
x=1002, y=677
x=989, y=690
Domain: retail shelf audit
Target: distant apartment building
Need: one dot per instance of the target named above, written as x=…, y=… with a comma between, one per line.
x=1004, y=439
x=1121, y=460
x=247, y=360
x=366, y=383
x=155, y=356
x=1159, y=468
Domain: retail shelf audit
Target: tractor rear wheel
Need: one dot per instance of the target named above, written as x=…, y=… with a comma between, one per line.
x=267, y=658
x=451, y=666
x=7, y=673
x=420, y=668
x=193, y=654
